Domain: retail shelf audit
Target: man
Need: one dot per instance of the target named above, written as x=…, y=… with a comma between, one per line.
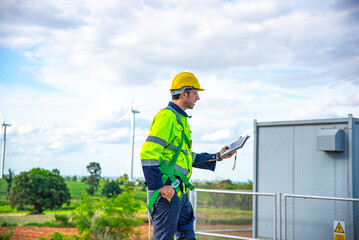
x=167, y=161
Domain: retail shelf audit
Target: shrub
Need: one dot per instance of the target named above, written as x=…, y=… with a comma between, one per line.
x=62, y=218
x=6, y=224
x=111, y=189
x=59, y=236
x=6, y=236
x=112, y=218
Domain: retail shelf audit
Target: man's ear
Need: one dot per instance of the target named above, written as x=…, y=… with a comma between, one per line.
x=183, y=94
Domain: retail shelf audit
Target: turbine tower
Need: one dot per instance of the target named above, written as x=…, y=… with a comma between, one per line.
x=3, y=125
x=132, y=138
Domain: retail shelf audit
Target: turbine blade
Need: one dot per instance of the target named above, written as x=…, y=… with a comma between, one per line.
x=123, y=117
x=2, y=124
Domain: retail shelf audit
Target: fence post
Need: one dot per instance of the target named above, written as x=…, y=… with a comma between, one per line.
x=279, y=216
x=195, y=209
x=191, y=197
x=275, y=216
x=149, y=217
x=254, y=216
x=285, y=217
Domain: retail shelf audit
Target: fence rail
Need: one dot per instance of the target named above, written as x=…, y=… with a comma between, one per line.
x=313, y=217
x=252, y=215
x=231, y=213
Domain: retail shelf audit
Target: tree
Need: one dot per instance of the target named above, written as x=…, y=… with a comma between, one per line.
x=94, y=179
x=83, y=179
x=9, y=179
x=56, y=171
x=123, y=179
x=39, y=188
x=111, y=189
x=74, y=178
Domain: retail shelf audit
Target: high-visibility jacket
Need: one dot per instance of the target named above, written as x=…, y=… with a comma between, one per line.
x=164, y=139
x=154, y=148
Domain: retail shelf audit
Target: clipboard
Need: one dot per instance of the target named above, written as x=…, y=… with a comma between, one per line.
x=235, y=145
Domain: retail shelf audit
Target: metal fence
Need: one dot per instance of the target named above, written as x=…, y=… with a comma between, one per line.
x=312, y=217
x=223, y=214
x=233, y=214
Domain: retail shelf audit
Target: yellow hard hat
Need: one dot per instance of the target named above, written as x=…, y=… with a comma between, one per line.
x=184, y=80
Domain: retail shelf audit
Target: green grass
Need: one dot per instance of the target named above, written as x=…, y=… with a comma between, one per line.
x=227, y=211
x=3, y=193
x=213, y=216
x=5, y=208
x=219, y=216
x=228, y=221
x=2, y=186
x=39, y=220
x=50, y=224
x=21, y=219
x=76, y=189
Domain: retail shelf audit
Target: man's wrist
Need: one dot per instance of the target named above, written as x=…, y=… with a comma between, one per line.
x=218, y=157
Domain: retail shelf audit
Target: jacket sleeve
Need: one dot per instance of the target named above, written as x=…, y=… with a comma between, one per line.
x=152, y=149
x=200, y=161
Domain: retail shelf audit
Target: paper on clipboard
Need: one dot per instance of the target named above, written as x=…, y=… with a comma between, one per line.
x=235, y=145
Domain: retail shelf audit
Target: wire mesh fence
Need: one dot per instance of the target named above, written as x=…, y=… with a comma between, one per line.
x=229, y=214
x=223, y=214
x=310, y=217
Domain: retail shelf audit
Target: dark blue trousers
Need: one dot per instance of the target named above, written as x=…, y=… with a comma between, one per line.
x=169, y=218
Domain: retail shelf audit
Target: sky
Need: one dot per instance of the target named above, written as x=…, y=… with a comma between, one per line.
x=70, y=71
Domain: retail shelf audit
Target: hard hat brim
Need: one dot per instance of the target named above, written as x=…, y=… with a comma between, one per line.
x=181, y=90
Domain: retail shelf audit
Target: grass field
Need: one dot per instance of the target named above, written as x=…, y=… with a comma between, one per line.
x=13, y=217
x=206, y=213
x=21, y=219
x=76, y=190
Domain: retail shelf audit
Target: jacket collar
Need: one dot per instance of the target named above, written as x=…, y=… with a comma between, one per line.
x=178, y=109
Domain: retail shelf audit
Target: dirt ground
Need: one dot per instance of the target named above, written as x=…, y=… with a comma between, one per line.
x=31, y=233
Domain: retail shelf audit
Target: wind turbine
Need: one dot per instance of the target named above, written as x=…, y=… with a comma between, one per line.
x=132, y=138
x=3, y=125
x=125, y=116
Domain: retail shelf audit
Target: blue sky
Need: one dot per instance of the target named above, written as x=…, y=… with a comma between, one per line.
x=12, y=68
x=70, y=70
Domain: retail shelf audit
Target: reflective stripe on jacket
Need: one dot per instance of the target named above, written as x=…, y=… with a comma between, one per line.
x=164, y=139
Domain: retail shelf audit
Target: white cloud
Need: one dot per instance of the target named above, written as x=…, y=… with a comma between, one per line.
x=353, y=100
x=265, y=60
x=217, y=135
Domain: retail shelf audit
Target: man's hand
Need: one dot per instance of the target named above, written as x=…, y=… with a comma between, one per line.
x=167, y=192
x=223, y=150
